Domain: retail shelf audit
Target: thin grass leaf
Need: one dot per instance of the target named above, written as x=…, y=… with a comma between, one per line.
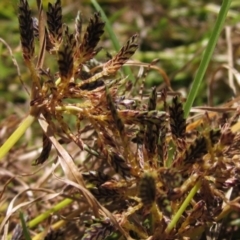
x=26, y=30
x=42, y=38
x=26, y=233
x=207, y=55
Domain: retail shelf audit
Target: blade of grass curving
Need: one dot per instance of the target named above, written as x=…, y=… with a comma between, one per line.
x=127, y=70
x=24, y=125
x=184, y=205
x=207, y=55
x=26, y=233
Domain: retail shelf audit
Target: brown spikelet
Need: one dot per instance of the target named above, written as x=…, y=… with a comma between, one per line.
x=90, y=39
x=152, y=101
x=113, y=65
x=78, y=27
x=89, y=86
x=117, y=120
x=143, y=117
x=177, y=120
x=152, y=130
x=65, y=56
x=54, y=235
x=99, y=230
x=151, y=139
x=54, y=22
x=147, y=189
x=97, y=178
x=105, y=194
x=47, y=145
x=196, y=150
x=119, y=164
x=26, y=30
x=162, y=146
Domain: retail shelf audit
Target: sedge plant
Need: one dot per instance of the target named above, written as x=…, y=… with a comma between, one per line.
x=128, y=186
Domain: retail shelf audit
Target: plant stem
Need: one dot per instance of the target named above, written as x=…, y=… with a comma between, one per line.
x=207, y=55
x=184, y=205
x=46, y=214
x=24, y=227
x=24, y=125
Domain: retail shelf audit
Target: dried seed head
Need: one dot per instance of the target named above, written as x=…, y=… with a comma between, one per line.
x=196, y=150
x=54, y=235
x=65, y=56
x=113, y=65
x=177, y=120
x=147, y=189
x=119, y=164
x=89, y=86
x=90, y=39
x=54, y=22
x=162, y=148
x=152, y=101
x=104, y=194
x=99, y=230
x=97, y=178
x=47, y=145
x=117, y=120
x=26, y=30
x=151, y=138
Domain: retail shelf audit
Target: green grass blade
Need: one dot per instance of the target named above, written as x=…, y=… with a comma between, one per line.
x=26, y=233
x=40, y=218
x=184, y=205
x=4, y=149
x=207, y=55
